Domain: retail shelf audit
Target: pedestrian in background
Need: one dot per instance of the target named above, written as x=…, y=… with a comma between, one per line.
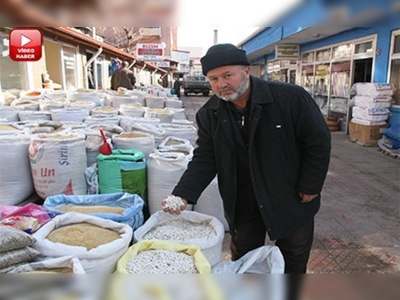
x=90, y=78
x=123, y=77
x=270, y=147
x=177, y=87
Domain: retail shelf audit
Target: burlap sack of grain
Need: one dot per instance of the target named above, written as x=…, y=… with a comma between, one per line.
x=15, y=173
x=58, y=163
x=61, y=265
x=210, y=245
x=163, y=172
x=100, y=260
x=131, y=206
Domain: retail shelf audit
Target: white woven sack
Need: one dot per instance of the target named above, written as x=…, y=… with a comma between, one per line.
x=173, y=103
x=54, y=95
x=10, y=128
x=370, y=114
x=10, y=113
x=85, y=95
x=126, y=122
x=90, y=105
x=25, y=104
x=210, y=203
x=116, y=100
x=158, y=133
x=211, y=246
x=15, y=173
x=47, y=104
x=139, y=94
x=69, y=114
x=179, y=113
x=373, y=102
x=172, y=142
x=102, y=259
x=32, y=94
x=102, y=119
x=366, y=122
x=188, y=132
x=34, y=115
x=132, y=110
x=58, y=164
x=145, y=144
x=374, y=89
x=104, y=111
x=163, y=173
x=154, y=101
x=68, y=261
x=165, y=115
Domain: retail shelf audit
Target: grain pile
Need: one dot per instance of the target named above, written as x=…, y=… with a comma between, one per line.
x=50, y=271
x=161, y=262
x=92, y=209
x=180, y=229
x=85, y=235
x=132, y=135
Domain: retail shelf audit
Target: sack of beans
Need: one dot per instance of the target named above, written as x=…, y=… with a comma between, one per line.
x=119, y=207
x=98, y=243
x=60, y=265
x=187, y=228
x=163, y=257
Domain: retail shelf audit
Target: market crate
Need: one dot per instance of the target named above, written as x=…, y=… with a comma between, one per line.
x=366, y=135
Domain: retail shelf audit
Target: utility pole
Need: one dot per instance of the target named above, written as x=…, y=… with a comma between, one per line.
x=215, y=36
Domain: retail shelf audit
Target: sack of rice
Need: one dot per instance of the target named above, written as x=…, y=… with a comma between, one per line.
x=172, y=103
x=104, y=111
x=116, y=100
x=25, y=104
x=127, y=122
x=60, y=265
x=10, y=113
x=49, y=104
x=134, y=110
x=15, y=186
x=189, y=227
x=163, y=172
x=58, y=163
x=69, y=114
x=85, y=95
x=82, y=105
x=98, y=243
x=163, y=257
x=165, y=115
x=137, y=140
x=119, y=207
x=139, y=94
x=154, y=101
x=34, y=115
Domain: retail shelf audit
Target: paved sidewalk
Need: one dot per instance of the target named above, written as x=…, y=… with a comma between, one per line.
x=358, y=225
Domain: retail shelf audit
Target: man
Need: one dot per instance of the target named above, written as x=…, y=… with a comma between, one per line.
x=177, y=87
x=123, y=77
x=270, y=147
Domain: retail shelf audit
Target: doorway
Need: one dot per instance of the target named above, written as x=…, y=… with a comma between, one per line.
x=362, y=70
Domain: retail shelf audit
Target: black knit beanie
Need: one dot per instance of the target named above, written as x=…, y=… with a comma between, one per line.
x=223, y=55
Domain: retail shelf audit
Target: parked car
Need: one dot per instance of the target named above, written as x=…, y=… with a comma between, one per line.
x=196, y=84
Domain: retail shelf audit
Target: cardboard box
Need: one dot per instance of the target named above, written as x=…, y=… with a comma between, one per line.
x=366, y=135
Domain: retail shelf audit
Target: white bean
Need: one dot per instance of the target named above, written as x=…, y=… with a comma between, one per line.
x=173, y=202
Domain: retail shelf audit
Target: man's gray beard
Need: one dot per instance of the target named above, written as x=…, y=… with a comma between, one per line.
x=239, y=93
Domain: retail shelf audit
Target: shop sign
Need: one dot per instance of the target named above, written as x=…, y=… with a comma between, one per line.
x=149, y=52
x=287, y=52
x=160, y=64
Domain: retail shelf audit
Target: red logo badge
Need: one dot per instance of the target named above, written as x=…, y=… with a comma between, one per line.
x=25, y=44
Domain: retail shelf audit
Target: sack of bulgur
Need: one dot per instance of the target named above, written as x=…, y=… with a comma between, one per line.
x=12, y=239
x=165, y=258
x=91, y=232
x=60, y=265
x=119, y=207
x=187, y=228
x=17, y=256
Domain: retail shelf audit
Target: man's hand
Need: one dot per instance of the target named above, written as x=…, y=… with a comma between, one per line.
x=173, y=205
x=307, y=198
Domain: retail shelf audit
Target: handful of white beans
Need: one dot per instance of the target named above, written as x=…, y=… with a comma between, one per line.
x=173, y=202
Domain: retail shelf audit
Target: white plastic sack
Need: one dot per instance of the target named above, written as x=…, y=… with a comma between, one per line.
x=165, y=115
x=141, y=141
x=373, y=102
x=172, y=142
x=85, y=95
x=158, y=133
x=104, y=111
x=263, y=260
x=116, y=100
x=154, y=101
x=16, y=183
x=69, y=114
x=139, y=94
x=102, y=119
x=10, y=113
x=10, y=129
x=25, y=104
x=127, y=122
x=179, y=113
x=370, y=114
x=34, y=115
x=49, y=104
x=170, y=102
x=134, y=110
x=58, y=164
x=366, y=122
x=210, y=203
x=100, y=260
x=373, y=89
x=82, y=105
x=211, y=246
x=163, y=172
x=188, y=132
x=68, y=261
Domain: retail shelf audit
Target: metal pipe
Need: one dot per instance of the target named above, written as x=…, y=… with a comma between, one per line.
x=131, y=65
x=87, y=64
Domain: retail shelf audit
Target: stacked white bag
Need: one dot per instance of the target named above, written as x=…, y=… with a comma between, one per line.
x=372, y=101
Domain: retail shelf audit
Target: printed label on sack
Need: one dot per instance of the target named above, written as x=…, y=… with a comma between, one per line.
x=36, y=151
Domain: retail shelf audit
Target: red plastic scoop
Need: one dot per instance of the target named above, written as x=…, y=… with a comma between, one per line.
x=105, y=149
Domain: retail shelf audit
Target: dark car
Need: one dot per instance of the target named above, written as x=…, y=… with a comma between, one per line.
x=196, y=84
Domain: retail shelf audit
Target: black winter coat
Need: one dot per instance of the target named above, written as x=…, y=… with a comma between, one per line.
x=289, y=151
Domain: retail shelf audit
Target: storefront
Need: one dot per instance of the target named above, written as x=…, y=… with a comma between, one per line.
x=331, y=60
x=68, y=56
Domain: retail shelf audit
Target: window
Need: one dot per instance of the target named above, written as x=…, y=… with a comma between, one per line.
x=362, y=48
x=69, y=66
x=13, y=74
x=394, y=75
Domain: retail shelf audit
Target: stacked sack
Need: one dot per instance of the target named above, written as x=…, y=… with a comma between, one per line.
x=390, y=141
x=15, y=248
x=370, y=111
